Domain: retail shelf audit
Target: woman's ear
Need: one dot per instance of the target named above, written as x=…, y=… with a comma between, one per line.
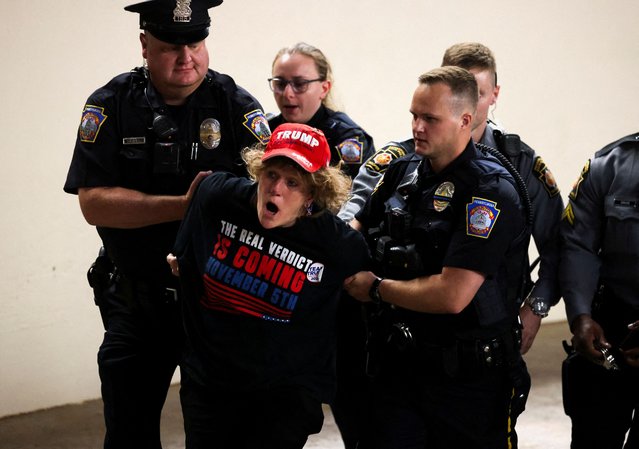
x=326, y=87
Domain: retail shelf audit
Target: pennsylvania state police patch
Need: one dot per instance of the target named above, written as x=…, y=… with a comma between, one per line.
x=481, y=216
x=379, y=161
x=92, y=119
x=546, y=177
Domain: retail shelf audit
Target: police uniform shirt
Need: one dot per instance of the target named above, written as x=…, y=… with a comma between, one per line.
x=348, y=141
x=547, y=206
x=543, y=191
x=600, y=230
x=370, y=173
x=467, y=216
x=118, y=146
x=260, y=303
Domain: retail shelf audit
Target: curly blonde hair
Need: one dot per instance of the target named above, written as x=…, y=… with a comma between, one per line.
x=329, y=186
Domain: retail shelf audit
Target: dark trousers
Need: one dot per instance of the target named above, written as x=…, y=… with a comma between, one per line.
x=280, y=418
x=601, y=404
x=417, y=404
x=136, y=360
x=351, y=399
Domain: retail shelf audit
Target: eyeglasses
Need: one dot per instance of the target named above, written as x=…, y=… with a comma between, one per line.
x=299, y=86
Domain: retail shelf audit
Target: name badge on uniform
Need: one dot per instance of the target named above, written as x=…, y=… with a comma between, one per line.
x=481, y=216
x=210, y=133
x=443, y=195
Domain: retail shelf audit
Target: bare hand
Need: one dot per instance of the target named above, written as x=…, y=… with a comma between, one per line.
x=588, y=337
x=631, y=353
x=173, y=263
x=196, y=182
x=530, y=323
x=631, y=356
x=359, y=285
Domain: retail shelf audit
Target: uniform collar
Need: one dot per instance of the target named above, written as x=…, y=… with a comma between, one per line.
x=470, y=152
x=318, y=118
x=488, y=138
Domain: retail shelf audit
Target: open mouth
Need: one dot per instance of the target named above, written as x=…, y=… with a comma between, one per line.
x=272, y=208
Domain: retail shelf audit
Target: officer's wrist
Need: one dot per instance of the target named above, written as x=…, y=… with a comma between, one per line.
x=373, y=292
x=538, y=305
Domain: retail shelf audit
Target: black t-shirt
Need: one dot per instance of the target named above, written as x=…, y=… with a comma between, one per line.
x=260, y=303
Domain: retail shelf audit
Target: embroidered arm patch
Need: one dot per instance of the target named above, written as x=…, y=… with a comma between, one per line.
x=256, y=122
x=380, y=160
x=546, y=177
x=351, y=150
x=582, y=176
x=481, y=216
x=92, y=120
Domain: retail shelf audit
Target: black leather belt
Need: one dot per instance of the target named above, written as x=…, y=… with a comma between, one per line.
x=135, y=288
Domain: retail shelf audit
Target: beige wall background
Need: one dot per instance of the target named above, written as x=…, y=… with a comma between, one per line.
x=568, y=71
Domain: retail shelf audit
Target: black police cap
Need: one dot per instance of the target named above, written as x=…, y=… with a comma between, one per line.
x=175, y=21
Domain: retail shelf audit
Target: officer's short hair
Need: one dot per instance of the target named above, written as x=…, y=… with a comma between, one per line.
x=461, y=82
x=471, y=55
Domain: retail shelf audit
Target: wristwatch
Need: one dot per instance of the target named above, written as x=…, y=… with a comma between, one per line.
x=538, y=305
x=373, y=293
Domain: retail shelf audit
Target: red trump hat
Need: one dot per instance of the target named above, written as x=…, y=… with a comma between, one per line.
x=306, y=145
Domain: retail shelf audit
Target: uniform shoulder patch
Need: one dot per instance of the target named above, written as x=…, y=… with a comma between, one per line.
x=481, y=216
x=256, y=122
x=380, y=160
x=93, y=118
x=351, y=150
x=569, y=215
x=577, y=184
x=546, y=177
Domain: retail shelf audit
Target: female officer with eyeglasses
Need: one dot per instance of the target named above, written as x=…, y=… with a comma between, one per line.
x=301, y=83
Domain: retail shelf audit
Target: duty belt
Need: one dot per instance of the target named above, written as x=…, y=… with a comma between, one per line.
x=134, y=288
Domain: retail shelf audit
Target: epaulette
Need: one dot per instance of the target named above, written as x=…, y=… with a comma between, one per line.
x=212, y=77
x=624, y=141
x=339, y=120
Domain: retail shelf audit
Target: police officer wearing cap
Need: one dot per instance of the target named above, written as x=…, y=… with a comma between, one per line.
x=145, y=141
x=446, y=227
x=599, y=278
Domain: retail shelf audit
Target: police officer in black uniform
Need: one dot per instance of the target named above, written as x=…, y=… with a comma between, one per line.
x=599, y=277
x=145, y=141
x=542, y=188
x=301, y=83
x=447, y=228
